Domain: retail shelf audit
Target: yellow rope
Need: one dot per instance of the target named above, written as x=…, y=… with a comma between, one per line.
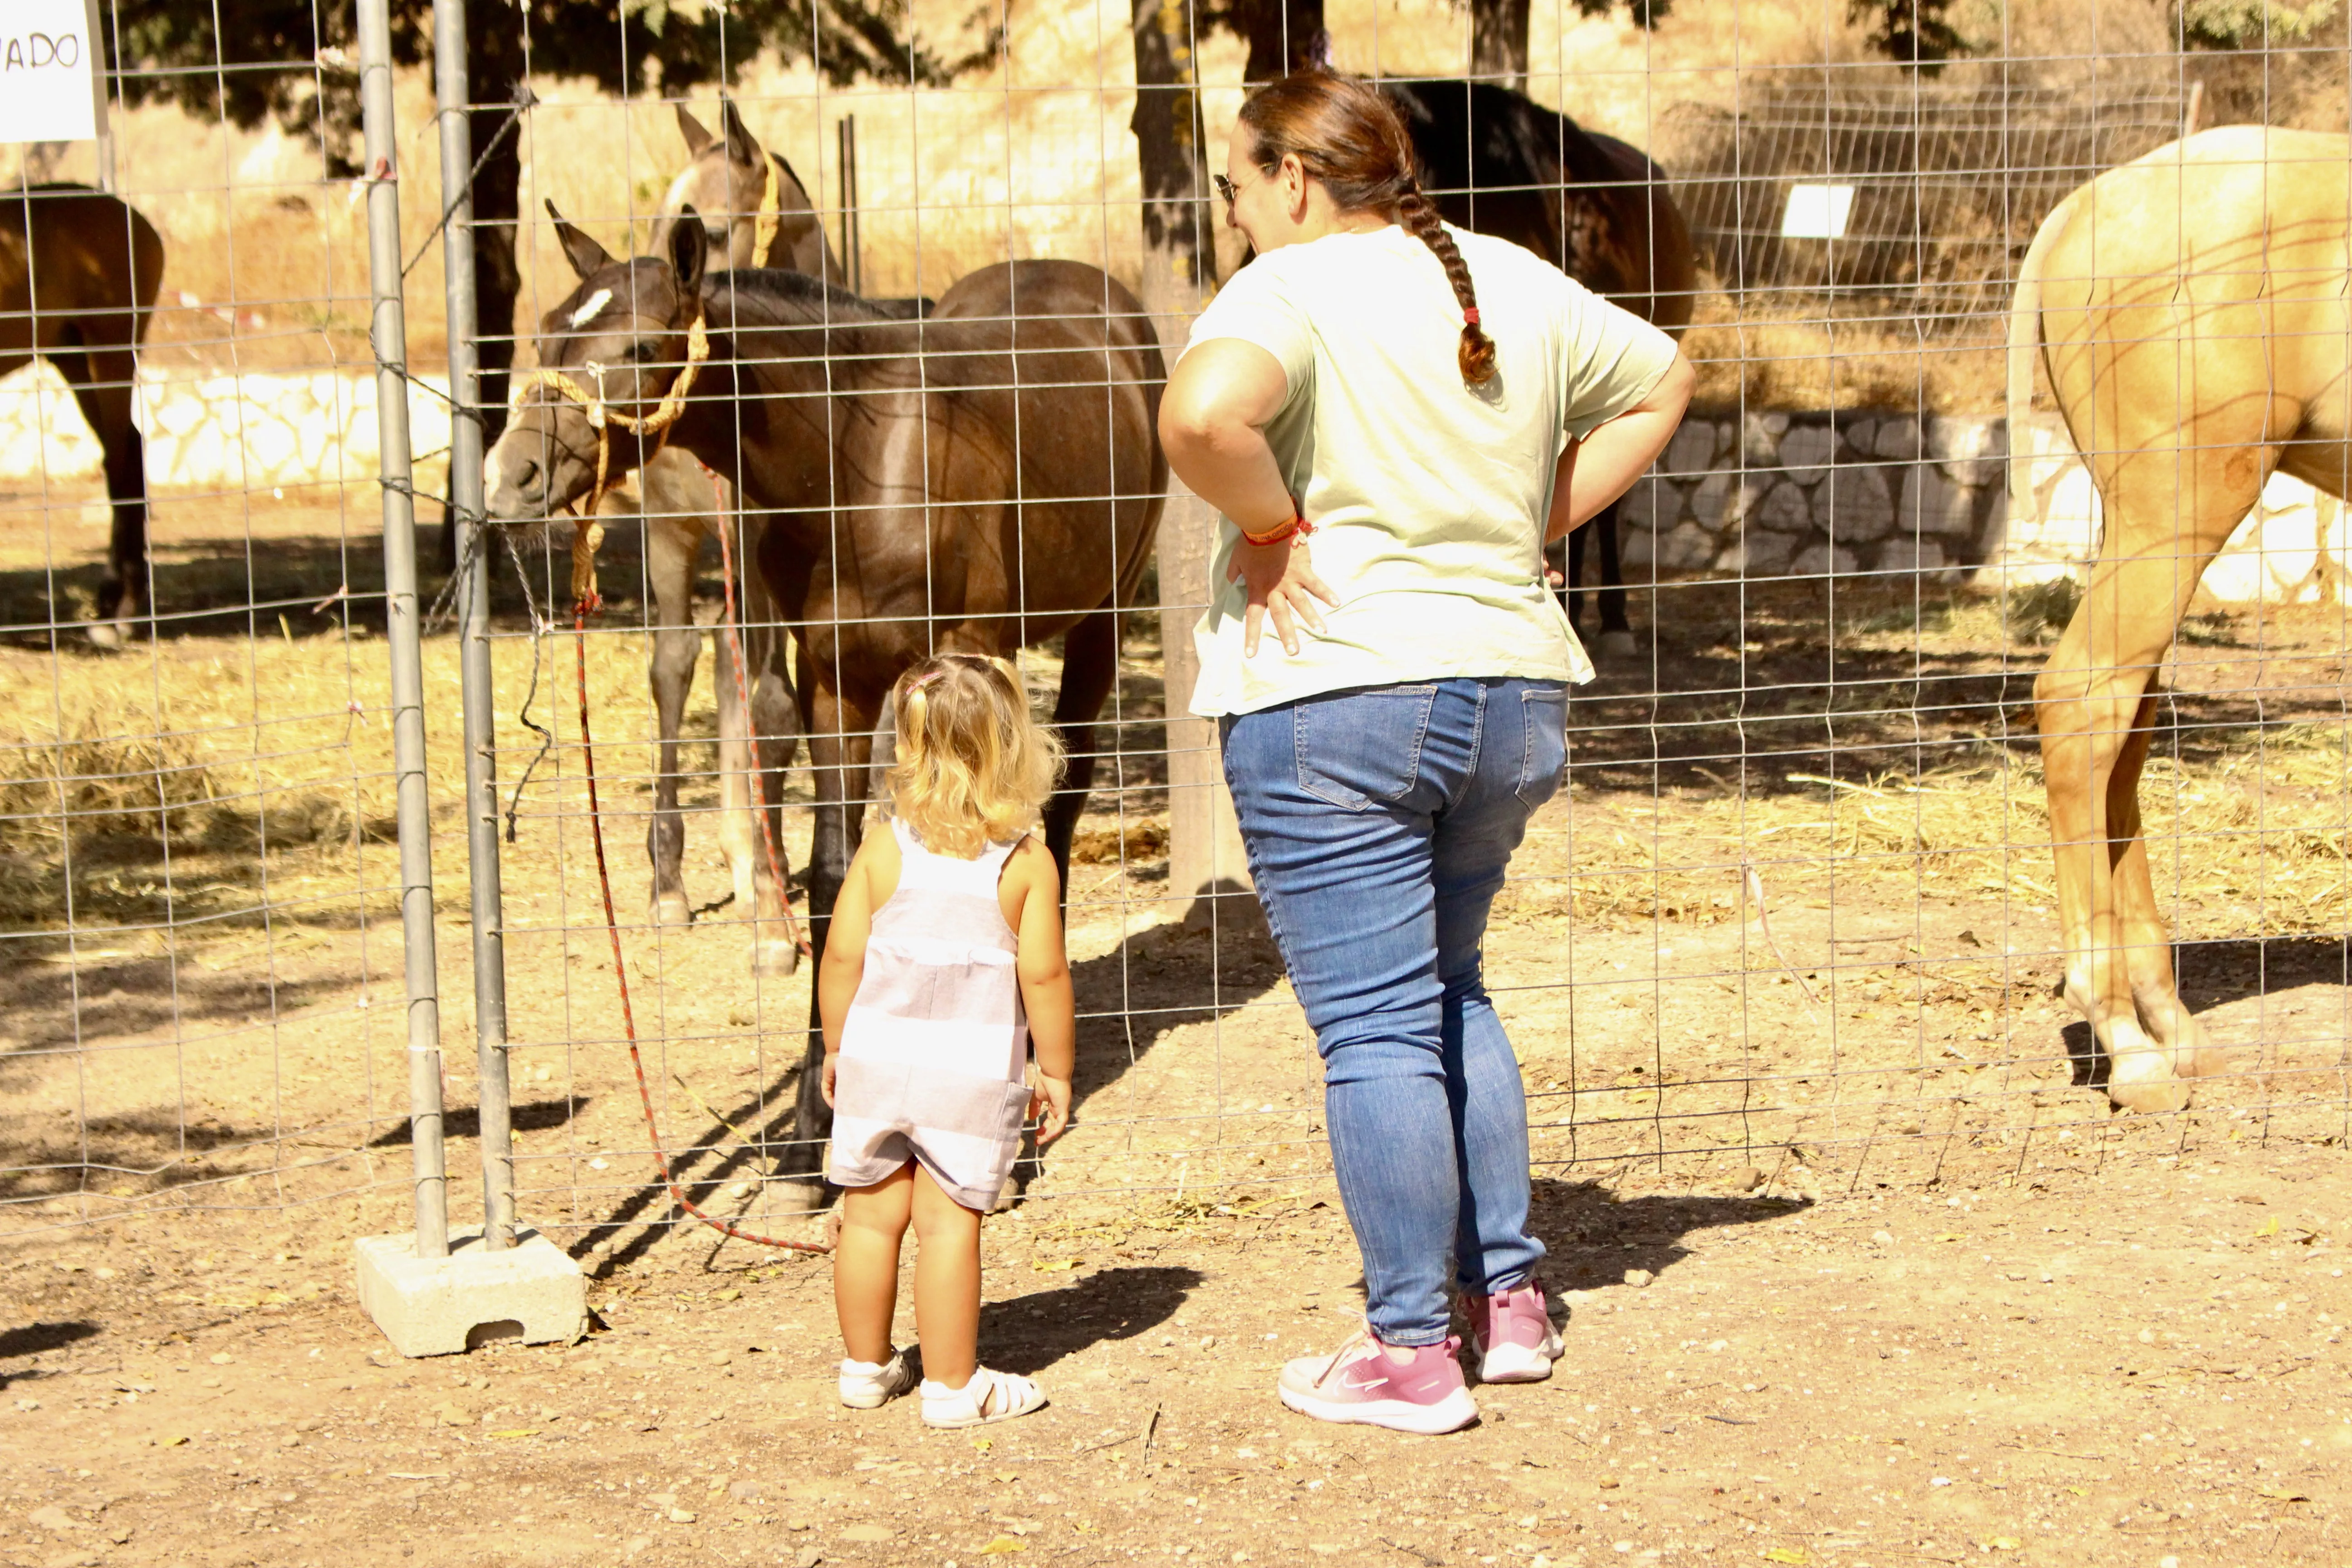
x=590, y=535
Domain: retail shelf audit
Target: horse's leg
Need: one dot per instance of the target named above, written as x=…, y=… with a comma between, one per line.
x=2148, y=946
x=1089, y=666
x=103, y=380
x=1616, y=632
x=738, y=830
x=2086, y=705
x=775, y=731
x=829, y=718
x=672, y=544
x=2090, y=700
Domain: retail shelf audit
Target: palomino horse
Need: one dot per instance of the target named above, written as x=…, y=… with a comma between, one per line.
x=981, y=480
x=1499, y=163
x=2191, y=308
x=78, y=272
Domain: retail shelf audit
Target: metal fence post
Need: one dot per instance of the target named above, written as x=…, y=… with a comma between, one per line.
x=388, y=338
x=852, y=274
x=452, y=94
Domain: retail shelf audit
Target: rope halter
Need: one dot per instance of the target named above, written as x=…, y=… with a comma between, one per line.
x=602, y=418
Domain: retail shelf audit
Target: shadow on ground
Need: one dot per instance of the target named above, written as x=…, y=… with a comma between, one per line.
x=1029, y=1334
x=1594, y=1238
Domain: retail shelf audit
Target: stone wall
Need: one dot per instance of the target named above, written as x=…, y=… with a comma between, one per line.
x=1770, y=495
x=251, y=430
x=1764, y=495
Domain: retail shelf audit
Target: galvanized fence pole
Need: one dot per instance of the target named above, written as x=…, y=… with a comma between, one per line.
x=451, y=93
x=388, y=337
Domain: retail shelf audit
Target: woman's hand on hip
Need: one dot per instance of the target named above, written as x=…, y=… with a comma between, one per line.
x=1282, y=583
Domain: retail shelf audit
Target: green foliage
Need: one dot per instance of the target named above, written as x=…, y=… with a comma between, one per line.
x=1917, y=32
x=294, y=59
x=2251, y=23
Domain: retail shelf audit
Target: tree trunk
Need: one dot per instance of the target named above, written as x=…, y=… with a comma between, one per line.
x=1180, y=259
x=1498, y=42
x=1179, y=263
x=1284, y=36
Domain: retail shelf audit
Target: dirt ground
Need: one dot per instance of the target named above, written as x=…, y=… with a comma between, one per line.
x=1778, y=963
x=2133, y=1362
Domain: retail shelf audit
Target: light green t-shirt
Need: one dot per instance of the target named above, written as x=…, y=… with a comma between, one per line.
x=1428, y=495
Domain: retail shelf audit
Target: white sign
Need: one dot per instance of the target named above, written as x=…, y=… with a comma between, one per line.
x=52, y=72
x=1816, y=211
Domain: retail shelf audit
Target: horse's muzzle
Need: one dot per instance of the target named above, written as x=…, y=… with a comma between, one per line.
x=515, y=477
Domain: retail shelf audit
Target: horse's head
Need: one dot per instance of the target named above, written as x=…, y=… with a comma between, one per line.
x=726, y=181
x=611, y=352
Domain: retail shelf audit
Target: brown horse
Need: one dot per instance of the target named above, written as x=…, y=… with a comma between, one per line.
x=1499, y=163
x=2191, y=308
x=78, y=271
x=754, y=212
x=981, y=480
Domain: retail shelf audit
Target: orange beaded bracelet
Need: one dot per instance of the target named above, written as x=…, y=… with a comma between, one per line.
x=1298, y=525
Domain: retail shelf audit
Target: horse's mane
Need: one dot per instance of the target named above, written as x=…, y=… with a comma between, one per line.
x=794, y=299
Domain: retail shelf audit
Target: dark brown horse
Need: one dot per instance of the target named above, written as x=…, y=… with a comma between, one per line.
x=78, y=271
x=983, y=480
x=1499, y=163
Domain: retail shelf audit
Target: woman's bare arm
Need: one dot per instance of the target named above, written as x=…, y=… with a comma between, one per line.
x=1603, y=465
x=1213, y=422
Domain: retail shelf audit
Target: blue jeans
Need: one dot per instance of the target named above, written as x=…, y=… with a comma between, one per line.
x=1378, y=823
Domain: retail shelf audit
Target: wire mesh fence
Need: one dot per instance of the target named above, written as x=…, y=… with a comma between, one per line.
x=1794, y=920
x=204, y=1006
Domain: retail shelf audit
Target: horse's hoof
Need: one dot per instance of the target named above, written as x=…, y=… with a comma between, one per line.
x=786, y=1198
x=2205, y=1061
x=1617, y=645
x=672, y=910
x=778, y=957
x=2142, y=1080
x=106, y=635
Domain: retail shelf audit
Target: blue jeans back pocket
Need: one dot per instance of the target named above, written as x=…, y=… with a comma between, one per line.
x=1545, y=710
x=1359, y=748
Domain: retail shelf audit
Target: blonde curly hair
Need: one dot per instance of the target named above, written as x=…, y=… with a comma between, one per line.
x=973, y=768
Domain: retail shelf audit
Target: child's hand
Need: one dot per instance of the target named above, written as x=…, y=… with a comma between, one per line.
x=1049, y=1102
x=831, y=1060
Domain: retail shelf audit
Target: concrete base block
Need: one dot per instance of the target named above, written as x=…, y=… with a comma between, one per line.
x=439, y=1306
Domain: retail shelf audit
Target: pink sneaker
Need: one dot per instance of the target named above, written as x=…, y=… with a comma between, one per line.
x=1513, y=1335
x=1361, y=1384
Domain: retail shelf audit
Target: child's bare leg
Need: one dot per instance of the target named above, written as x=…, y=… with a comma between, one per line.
x=947, y=1283
x=866, y=1262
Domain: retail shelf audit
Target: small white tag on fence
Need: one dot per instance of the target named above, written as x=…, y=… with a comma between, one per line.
x=52, y=80
x=1816, y=211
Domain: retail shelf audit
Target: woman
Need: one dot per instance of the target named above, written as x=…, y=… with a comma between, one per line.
x=1431, y=407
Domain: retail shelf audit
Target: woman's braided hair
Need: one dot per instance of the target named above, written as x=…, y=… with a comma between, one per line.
x=1347, y=136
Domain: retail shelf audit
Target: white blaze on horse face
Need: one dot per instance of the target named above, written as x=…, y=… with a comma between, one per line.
x=590, y=308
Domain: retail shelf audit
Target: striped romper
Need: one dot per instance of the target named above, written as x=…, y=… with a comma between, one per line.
x=934, y=1053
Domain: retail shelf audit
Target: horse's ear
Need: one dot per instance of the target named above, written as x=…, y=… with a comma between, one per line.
x=587, y=258
x=689, y=252
x=742, y=146
x=697, y=138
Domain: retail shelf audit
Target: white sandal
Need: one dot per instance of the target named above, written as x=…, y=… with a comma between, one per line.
x=989, y=1396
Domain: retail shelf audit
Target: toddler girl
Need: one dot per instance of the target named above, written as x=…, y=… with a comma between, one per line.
x=944, y=962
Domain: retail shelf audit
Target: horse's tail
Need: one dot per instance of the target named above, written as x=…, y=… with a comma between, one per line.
x=2025, y=336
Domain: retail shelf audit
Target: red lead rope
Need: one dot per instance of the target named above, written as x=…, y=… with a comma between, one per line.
x=621, y=974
